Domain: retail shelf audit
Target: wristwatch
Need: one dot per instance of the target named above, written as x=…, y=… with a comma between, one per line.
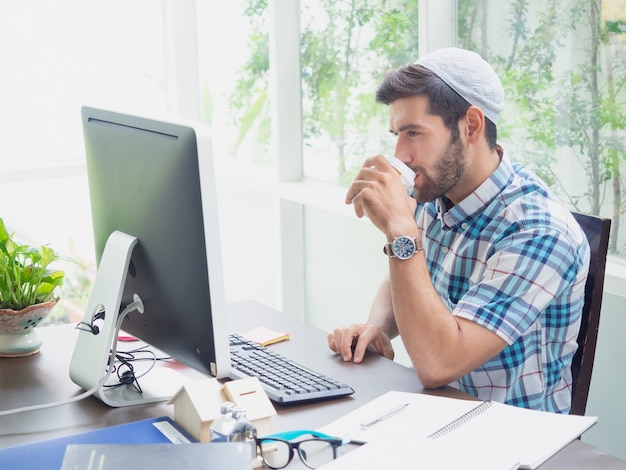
x=403, y=247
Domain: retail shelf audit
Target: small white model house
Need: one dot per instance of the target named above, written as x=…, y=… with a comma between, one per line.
x=197, y=404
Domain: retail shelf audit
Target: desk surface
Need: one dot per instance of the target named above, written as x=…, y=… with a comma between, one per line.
x=44, y=378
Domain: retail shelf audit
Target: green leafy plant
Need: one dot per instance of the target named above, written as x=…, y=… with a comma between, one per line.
x=25, y=278
x=346, y=47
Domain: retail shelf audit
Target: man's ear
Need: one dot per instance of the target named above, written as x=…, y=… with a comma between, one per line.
x=475, y=123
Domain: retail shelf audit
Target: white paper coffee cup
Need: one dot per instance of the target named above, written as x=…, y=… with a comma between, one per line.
x=406, y=174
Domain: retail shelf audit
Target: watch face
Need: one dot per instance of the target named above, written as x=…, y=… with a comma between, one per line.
x=403, y=247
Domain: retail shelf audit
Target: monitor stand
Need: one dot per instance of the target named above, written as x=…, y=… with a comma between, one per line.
x=96, y=345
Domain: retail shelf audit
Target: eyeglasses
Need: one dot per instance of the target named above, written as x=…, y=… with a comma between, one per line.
x=277, y=452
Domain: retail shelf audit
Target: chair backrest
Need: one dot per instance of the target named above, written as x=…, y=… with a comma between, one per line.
x=597, y=231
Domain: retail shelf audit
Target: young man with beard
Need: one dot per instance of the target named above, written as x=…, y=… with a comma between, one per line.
x=487, y=274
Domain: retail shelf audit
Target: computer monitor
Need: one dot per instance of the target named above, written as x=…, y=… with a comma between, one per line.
x=156, y=232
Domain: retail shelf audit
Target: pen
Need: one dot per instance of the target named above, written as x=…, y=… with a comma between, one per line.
x=385, y=415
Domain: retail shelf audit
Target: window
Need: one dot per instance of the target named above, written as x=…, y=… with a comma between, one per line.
x=346, y=48
x=59, y=56
x=233, y=60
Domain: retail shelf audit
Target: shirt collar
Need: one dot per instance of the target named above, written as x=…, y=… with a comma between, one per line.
x=477, y=200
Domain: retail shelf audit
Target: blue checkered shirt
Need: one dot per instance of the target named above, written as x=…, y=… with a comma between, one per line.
x=511, y=258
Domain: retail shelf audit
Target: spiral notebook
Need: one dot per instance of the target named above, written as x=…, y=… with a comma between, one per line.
x=524, y=436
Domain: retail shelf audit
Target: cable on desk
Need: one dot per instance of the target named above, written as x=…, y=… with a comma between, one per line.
x=126, y=371
x=129, y=308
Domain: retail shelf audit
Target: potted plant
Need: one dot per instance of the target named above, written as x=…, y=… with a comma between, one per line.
x=28, y=291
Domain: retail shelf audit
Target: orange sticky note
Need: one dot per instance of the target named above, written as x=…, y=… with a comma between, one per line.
x=265, y=336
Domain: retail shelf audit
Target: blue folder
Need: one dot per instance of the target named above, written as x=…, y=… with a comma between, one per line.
x=48, y=455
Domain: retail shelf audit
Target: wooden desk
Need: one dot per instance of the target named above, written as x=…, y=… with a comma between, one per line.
x=44, y=378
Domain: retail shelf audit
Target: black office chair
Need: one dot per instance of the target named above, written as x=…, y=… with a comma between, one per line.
x=597, y=231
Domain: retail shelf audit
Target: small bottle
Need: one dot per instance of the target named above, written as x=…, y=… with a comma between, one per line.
x=406, y=174
x=222, y=427
x=243, y=431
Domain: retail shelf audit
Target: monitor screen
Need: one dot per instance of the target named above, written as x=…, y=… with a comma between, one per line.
x=154, y=180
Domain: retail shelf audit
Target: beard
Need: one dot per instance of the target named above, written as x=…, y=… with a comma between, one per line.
x=447, y=172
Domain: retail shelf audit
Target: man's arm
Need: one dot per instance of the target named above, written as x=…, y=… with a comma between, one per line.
x=442, y=347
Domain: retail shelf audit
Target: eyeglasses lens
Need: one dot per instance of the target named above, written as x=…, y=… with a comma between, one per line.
x=275, y=453
x=315, y=453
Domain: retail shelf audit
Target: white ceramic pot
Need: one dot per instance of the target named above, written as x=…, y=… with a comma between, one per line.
x=18, y=336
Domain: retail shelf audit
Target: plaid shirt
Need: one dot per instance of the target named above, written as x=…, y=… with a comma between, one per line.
x=511, y=258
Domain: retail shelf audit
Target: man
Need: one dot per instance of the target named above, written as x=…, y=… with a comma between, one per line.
x=486, y=277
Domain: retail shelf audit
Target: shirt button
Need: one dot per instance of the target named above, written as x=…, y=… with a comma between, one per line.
x=445, y=249
x=464, y=225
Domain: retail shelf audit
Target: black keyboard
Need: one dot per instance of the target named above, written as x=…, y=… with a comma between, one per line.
x=283, y=380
